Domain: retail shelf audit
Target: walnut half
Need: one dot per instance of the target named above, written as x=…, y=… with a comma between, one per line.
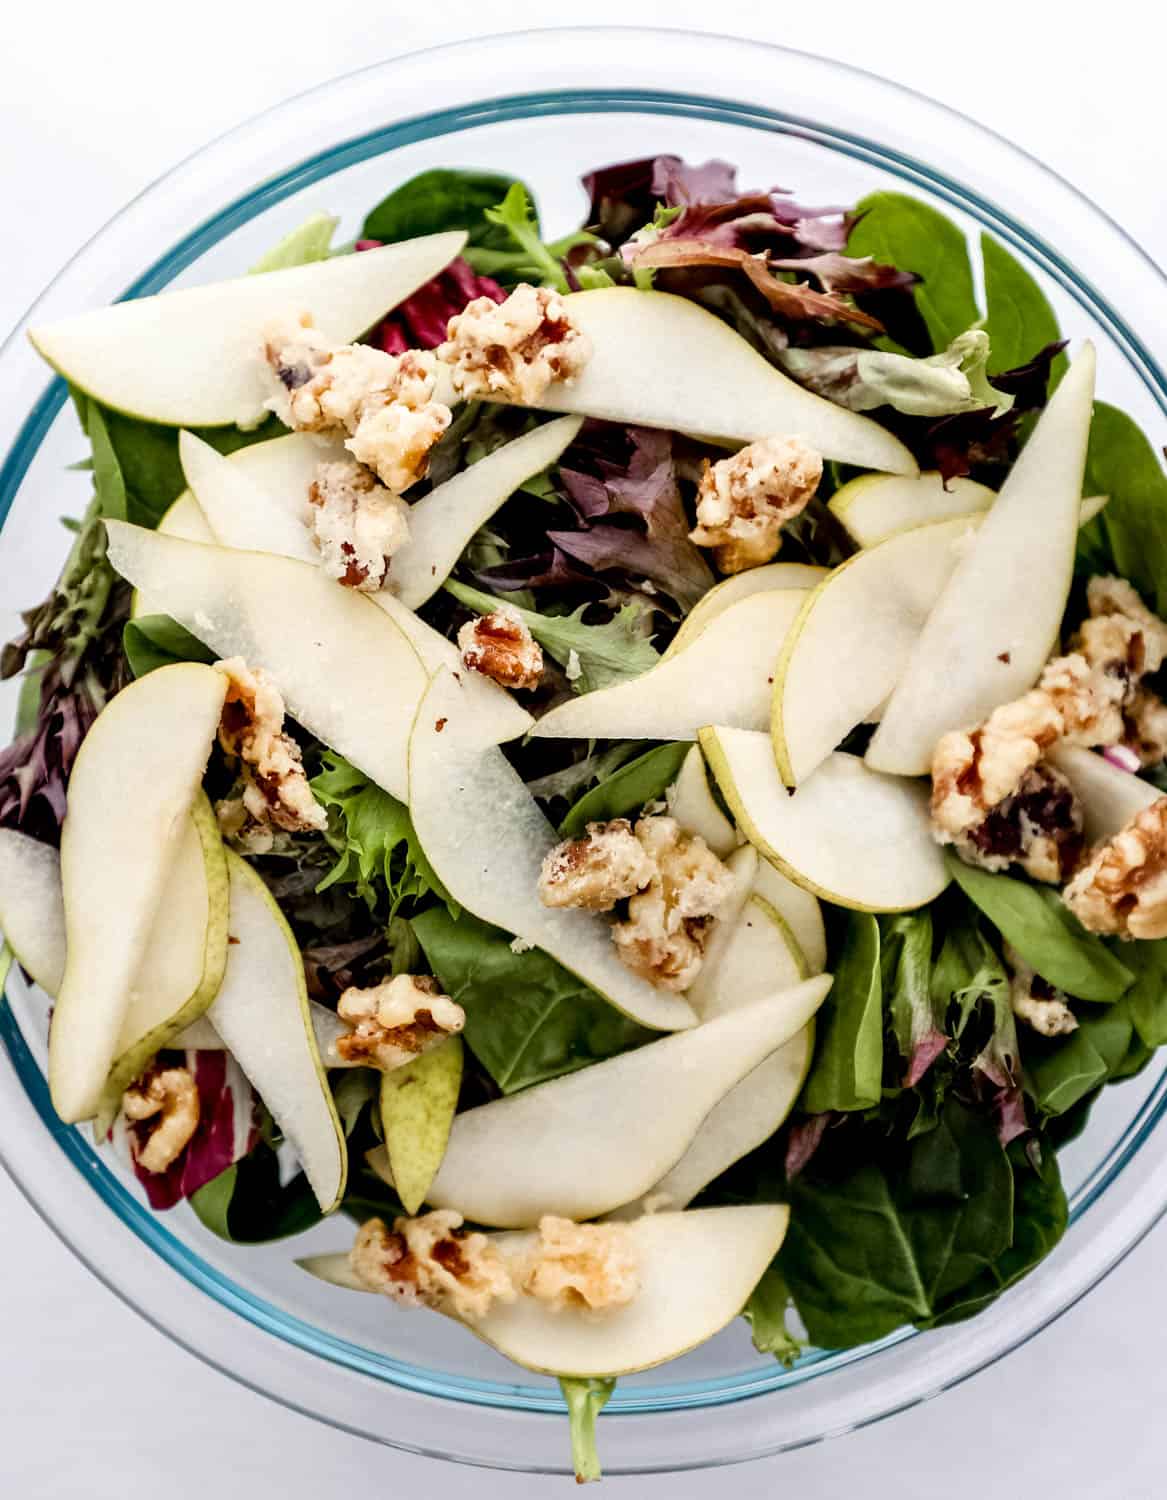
x=170, y=1097
x=431, y=1261
x=396, y=1021
x=1122, y=888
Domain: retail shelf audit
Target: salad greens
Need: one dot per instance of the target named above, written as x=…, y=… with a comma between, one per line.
x=848, y=1061
x=627, y=790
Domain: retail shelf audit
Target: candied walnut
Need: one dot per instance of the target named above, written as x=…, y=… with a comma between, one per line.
x=275, y=788
x=1112, y=597
x=669, y=924
x=501, y=647
x=1035, y=1001
x=744, y=501
x=594, y=872
x=170, y=1097
x=1122, y=887
x=396, y=1021
x=592, y=1266
x=1145, y=727
x=395, y=440
x=514, y=350
x=296, y=354
x=431, y=1261
x=357, y=524
x=1038, y=826
x=1088, y=698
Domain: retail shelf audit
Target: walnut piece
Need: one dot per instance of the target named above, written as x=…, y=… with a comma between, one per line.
x=1145, y=727
x=592, y=1266
x=357, y=524
x=275, y=788
x=1110, y=596
x=744, y=501
x=514, y=350
x=1121, y=889
x=594, y=872
x=171, y=1097
x=1035, y=1001
x=501, y=647
x=396, y=1021
x=431, y=1261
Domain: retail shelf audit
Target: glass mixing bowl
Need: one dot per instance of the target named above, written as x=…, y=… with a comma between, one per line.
x=548, y=105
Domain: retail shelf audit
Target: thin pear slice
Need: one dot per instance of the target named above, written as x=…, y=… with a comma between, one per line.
x=1110, y=797
x=759, y=959
x=327, y=1027
x=585, y=1143
x=261, y=1013
x=725, y=675
x=192, y=358
x=245, y=514
x=155, y=738
x=442, y=522
x=852, y=639
x=417, y=1109
x=486, y=837
x=799, y=912
x=849, y=834
x=662, y=361
x=743, y=867
x=761, y=580
x=32, y=913
x=346, y=672
x=993, y=626
x=695, y=808
x=697, y=1271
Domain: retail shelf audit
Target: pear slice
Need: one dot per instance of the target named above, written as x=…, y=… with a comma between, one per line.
x=192, y=358
x=662, y=361
x=726, y=675
x=877, y=506
x=327, y=1027
x=800, y=914
x=486, y=838
x=583, y=1144
x=695, y=808
x=1110, y=797
x=115, y=858
x=32, y=914
x=760, y=958
x=742, y=865
x=417, y=1109
x=852, y=638
x=849, y=834
x=998, y=617
x=346, y=672
x=680, y=1304
x=442, y=522
x=762, y=580
x=245, y=514
x=261, y=1013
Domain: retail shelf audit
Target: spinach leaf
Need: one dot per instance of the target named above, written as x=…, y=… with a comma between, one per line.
x=1130, y=535
x=1035, y=921
x=847, y=1071
x=1146, y=1000
x=247, y=1206
x=527, y=1018
x=442, y=198
x=894, y=1235
x=1019, y=320
x=1064, y=1070
x=628, y=789
x=586, y=1399
x=310, y=241
x=109, y=485
x=766, y=1312
x=912, y=236
x=152, y=641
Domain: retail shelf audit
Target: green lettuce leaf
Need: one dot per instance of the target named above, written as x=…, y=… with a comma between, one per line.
x=1019, y=320
x=310, y=241
x=1130, y=536
x=152, y=641
x=441, y=199
x=627, y=790
x=767, y=1312
x=847, y=1072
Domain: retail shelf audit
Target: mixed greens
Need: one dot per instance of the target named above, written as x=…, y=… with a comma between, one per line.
x=910, y=1129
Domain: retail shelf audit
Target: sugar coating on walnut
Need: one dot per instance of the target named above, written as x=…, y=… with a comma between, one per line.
x=514, y=350
x=1110, y=596
x=744, y=501
x=500, y=646
x=396, y=1021
x=1145, y=727
x=1035, y=1001
x=169, y=1097
x=580, y=1266
x=275, y=787
x=431, y=1261
x=607, y=864
x=357, y=524
x=1121, y=890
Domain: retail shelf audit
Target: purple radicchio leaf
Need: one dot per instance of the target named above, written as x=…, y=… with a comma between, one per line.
x=1009, y=1114
x=803, y=1140
x=420, y=321
x=925, y=1050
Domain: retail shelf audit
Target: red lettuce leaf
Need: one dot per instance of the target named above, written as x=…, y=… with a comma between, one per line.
x=420, y=321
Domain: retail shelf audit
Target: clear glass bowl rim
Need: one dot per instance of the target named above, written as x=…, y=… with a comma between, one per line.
x=32, y=429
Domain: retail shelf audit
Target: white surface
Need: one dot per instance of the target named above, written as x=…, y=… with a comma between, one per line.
x=97, y=101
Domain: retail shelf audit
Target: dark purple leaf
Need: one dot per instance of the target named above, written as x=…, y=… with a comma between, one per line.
x=847, y=273
x=804, y=1139
x=420, y=321
x=541, y=570
x=925, y=1051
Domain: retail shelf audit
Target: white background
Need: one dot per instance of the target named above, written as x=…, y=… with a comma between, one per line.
x=97, y=100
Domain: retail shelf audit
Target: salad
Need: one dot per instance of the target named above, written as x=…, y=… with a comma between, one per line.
x=628, y=769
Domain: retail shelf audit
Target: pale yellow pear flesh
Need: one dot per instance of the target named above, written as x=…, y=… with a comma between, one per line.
x=584, y=1144
x=194, y=357
x=662, y=361
x=328, y=650
x=742, y=865
x=849, y=835
x=418, y=1102
x=759, y=959
x=724, y=676
x=487, y=837
x=115, y=859
x=327, y=1027
x=261, y=1013
x=693, y=805
x=760, y=580
x=798, y=910
x=32, y=914
x=1000, y=613
x=1110, y=796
